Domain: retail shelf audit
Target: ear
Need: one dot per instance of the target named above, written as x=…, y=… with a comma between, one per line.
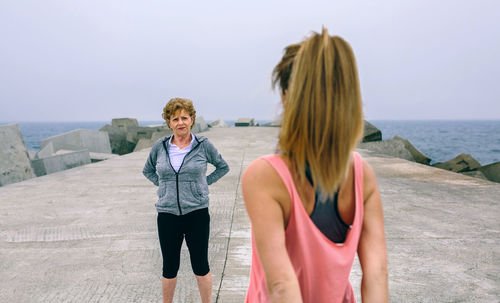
x=167, y=121
x=193, y=117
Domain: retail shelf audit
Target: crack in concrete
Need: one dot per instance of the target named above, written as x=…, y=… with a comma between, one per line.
x=231, y=226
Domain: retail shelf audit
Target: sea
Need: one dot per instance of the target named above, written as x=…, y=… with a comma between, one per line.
x=441, y=140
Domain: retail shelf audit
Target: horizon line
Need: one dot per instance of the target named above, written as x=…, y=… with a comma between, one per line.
x=233, y=119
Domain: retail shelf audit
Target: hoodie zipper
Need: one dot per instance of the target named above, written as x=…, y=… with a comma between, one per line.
x=177, y=172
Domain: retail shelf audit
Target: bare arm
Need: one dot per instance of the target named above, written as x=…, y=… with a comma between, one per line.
x=262, y=190
x=372, y=250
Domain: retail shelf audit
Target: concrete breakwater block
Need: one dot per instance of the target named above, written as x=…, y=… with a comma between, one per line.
x=396, y=147
x=218, y=123
x=96, y=157
x=31, y=154
x=59, y=162
x=371, y=133
x=245, y=122
x=50, y=159
x=390, y=148
x=459, y=164
x=135, y=133
x=275, y=123
x=200, y=125
x=14, y=159
x=124, y=123
x=49, y=150
x=475, y=174
x=143, y=144
x=147, y=143
x=126, y=136
x=417, y=155
x=93, y=140
x=161, y=134
x=118, y=140
x=46, y=151
x=491, y=171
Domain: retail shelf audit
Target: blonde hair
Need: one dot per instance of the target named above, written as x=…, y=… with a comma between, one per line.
x=282, y=71
x=176, y=104
x=322, y=119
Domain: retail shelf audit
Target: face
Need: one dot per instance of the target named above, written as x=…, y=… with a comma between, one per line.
x=181, y=123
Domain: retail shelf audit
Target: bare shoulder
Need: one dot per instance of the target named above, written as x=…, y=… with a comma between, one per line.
x=368, y=173
x=259, y=167
x=260, y=182
x=260, y=173
x=369, y=180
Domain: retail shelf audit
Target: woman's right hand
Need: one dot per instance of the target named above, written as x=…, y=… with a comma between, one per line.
x=372, y=250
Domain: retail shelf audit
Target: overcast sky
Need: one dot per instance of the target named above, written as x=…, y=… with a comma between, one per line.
x=95, y=60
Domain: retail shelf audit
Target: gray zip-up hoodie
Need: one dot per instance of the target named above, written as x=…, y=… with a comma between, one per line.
x=186, y=190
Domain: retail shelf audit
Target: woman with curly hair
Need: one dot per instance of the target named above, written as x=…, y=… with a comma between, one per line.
x=177, y=164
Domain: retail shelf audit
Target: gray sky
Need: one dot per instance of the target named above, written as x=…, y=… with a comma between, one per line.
x=95, y=60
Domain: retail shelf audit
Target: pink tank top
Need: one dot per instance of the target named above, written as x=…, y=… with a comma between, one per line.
x=322, y=267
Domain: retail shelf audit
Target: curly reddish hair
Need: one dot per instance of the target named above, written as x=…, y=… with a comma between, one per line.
x=176, y=104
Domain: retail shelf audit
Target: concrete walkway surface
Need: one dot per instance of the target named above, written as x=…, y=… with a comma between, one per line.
x=88, y=234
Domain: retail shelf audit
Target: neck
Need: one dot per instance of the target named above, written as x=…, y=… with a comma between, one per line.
x=182, y=140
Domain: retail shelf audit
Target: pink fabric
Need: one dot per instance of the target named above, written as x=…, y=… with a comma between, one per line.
x=322, y=267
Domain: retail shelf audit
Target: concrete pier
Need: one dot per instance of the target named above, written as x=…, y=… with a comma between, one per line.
x=88, y=234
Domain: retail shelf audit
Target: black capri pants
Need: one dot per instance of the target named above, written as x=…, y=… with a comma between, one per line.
x=172, y=229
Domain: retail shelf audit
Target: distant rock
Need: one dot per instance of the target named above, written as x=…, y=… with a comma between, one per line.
x=15, y=165
x=371, y=133
x=417, y=155
x=124, y=123
x=245, y=122
x=218, y=123
x=459, y=164
x=491, y=171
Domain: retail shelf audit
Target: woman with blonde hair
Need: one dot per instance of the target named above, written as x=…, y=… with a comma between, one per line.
x=316, y=203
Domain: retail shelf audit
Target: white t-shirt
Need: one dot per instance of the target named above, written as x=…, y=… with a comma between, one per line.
x=177, y=154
